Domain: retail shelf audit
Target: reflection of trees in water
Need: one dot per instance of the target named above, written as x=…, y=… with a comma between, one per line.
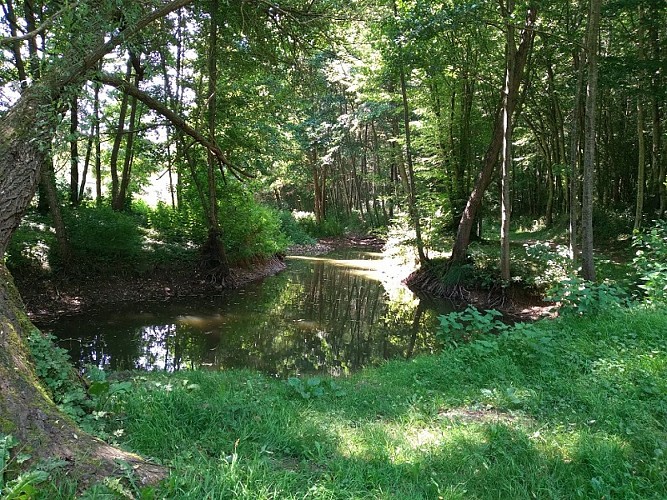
x=326, y=319
x=336, y=323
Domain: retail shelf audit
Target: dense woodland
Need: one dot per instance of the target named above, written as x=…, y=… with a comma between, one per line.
x=357, y=114
x=261, y=124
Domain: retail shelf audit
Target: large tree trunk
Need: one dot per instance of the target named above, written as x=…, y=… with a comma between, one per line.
x=30, y=416
x=460, y=248
x=25, y=137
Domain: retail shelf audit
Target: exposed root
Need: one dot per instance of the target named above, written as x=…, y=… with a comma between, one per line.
x=456, y=283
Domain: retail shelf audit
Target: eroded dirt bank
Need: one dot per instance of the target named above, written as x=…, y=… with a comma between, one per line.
x=49, y=296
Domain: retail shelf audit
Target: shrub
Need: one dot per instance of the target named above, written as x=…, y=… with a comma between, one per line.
x=577, y=296
x=249, y=228
x=184, y=225
x=293, y=230
x=102, y=238
x=651, y=261
x=30, y=244
x=329, y=227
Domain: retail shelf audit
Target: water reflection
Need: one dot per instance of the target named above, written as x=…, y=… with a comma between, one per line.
x=322, y=315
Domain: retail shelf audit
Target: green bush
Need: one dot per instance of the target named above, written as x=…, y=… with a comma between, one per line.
x=249, y=229
x=577, y=296
x=30, y=244
x=184, y=225
x=329, y=227
x=102, y=238
x=293, y=230
x=651, y=261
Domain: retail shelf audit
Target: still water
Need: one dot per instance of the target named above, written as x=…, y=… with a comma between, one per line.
x=331, y=314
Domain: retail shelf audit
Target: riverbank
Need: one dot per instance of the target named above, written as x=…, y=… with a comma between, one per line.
x=568, y=408
x=48, y=296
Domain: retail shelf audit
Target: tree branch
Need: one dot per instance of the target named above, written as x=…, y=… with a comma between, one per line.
x=175, y=119
x=40, y=29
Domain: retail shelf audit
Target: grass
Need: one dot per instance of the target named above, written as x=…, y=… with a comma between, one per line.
x=571, y=408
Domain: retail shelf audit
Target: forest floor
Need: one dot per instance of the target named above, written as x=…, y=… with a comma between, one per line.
x=48, y=296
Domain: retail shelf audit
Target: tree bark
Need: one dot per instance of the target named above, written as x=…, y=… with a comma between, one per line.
x=587, y=263
x=506, y=168
x=74, y=151
x=409, y=176
x=121, y=197
x=575, y=171
x=641, y=165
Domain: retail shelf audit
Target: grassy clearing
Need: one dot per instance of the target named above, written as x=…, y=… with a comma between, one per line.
x=571, y=408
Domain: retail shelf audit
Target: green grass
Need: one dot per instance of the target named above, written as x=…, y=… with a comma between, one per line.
x=571, y=408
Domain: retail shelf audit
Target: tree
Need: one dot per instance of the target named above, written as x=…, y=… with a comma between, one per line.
x=460, y=248
x=587, y=263
x=25, y=135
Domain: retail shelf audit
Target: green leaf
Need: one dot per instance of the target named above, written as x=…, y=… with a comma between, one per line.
x=98, y=388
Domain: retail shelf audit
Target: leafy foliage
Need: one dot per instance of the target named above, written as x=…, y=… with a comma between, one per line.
x=293, y=230
x=463, y=326
x=577, y=296
x=314, y=387
x=651, y=261
x=93, y=409
x=103, y=238
x=250, y=229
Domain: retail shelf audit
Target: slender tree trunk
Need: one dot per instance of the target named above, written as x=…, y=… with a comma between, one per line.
x=409, y=180
x=641, y=165
x=641, y=140
x=588, y=265
x=8, y=10
x=510, y=54
x=49, y=180
x=215, y=258
x=86, y=163
x=74, y=151
x=120, y=200
x=575, y=173
x=98, y=146
x=460, y=248
x=118, y=139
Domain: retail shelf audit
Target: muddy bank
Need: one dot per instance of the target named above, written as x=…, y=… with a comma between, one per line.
x=516, y=302
x=49, y=296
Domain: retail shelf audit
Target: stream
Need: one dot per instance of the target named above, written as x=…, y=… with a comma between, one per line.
x=331, y=314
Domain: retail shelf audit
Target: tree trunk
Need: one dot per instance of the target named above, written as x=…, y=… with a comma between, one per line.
x=214, y=257
x=506, y=168
x=25, y=410
x=587, y=263
x=641, y=165
x=49, y=181
x=74, y=151
x=117, y=141
x=119, y=202
x=98, y=146
x=575, y=173
x=409, y=181
x=460, y=248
